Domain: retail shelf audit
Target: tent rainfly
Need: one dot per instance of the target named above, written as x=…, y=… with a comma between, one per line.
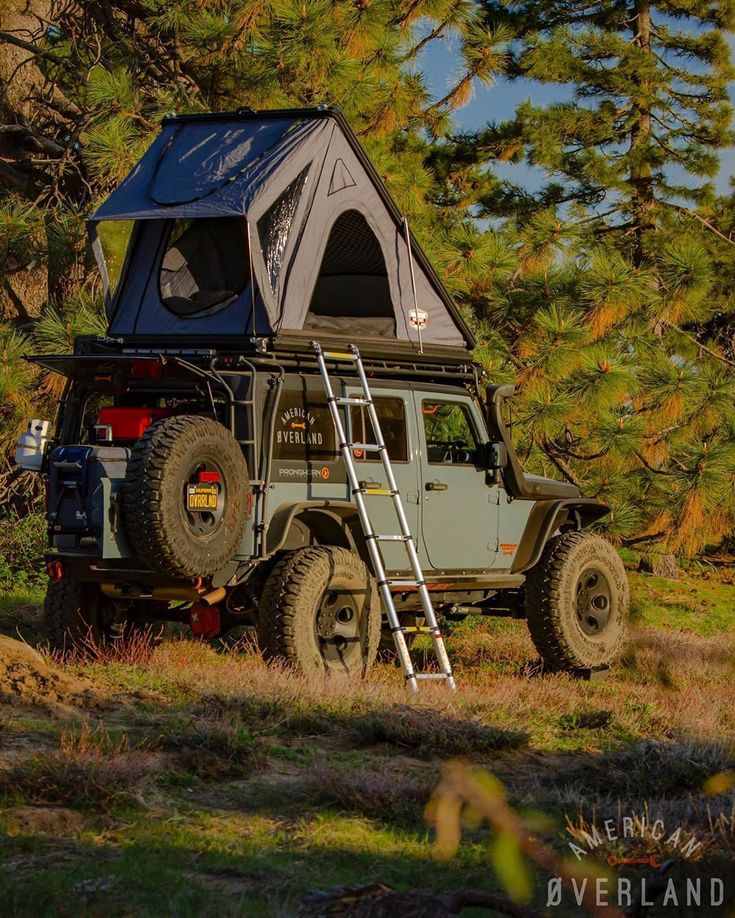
x=265, y=224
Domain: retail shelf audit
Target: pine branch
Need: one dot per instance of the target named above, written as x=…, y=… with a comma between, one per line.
x=561, y=465
x=637, y=540
x=692, y=213
x=43, y=144
x=419, y=46
x=644, y=462
x=29, y=46
x=17, y=180
x=695, y=340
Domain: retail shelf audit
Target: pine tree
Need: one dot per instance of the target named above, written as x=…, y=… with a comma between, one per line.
x=648, y=114
x=605, y=321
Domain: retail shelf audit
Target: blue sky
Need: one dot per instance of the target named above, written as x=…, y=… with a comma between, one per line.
x=440, y=64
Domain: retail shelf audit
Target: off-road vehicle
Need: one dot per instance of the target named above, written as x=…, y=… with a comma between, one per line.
x=194, y=473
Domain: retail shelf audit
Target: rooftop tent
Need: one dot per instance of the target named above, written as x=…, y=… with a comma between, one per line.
x=280, y=209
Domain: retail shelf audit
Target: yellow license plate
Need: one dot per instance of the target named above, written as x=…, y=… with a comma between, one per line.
x=202, y=496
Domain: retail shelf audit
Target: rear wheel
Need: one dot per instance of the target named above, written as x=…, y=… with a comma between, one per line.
x=320, y=611
x=577, y=602
x=77, y=614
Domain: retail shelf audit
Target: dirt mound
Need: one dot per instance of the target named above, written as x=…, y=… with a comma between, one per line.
x=27, y=678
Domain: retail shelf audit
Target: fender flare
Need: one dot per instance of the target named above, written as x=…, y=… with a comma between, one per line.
x=545, y=518
x=341, y=512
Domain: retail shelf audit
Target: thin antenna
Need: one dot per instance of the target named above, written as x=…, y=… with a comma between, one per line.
x=413, y=286
x=252, y=276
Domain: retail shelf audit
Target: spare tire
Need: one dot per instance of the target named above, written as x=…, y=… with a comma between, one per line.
x=185, y=496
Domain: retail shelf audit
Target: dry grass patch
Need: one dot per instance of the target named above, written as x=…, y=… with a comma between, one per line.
x=211, y=749
x=91, y=769
x=392, y=793
x=427, y=732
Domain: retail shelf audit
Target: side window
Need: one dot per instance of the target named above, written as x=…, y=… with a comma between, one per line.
x=304, y=429
x=205, y=266
x=275, y=225
x=392, y=417
x=451, y=437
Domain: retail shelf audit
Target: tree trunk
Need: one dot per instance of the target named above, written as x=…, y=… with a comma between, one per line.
x=643, y=199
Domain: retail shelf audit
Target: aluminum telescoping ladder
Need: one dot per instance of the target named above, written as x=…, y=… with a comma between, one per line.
x=373, y=539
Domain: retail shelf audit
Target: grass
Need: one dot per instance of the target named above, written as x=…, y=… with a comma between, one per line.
x=193, y=781
x=697, y=605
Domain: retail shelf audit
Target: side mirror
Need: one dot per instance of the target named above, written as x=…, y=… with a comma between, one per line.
x=497, y=456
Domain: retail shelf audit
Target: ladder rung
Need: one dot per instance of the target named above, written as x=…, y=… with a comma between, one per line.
x=432, y=676
x=368, y=447
x=390, y=538
x=369, y=491
x=412, y=583
x=418, y=629
x=339, y=355
x=350, y=400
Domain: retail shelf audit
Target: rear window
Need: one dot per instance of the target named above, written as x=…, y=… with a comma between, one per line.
x=304, y=429
x=206, y=265
x=392, y=416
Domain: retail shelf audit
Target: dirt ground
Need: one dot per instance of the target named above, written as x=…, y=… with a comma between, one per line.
x=192, y=779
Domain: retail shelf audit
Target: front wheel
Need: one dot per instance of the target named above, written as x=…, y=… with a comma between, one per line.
x=320, y=611
x=577, y=602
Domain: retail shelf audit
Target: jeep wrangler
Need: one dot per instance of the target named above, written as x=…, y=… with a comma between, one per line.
x=194, y=475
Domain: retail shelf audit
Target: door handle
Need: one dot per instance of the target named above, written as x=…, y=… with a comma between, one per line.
x=436, y=486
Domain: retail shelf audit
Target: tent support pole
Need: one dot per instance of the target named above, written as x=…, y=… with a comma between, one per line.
x=413, y=285
x=252, y=276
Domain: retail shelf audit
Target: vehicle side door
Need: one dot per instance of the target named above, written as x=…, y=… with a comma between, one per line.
x=459, y=503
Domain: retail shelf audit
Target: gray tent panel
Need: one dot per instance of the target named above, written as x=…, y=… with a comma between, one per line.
x=341, y=178
x=363, y=199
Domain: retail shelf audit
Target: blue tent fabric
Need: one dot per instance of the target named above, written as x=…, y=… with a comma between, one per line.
x=200, y=158
x=205, y=169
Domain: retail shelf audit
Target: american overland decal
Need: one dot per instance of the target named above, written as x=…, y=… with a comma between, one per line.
x=297, y=428
x=633, y=842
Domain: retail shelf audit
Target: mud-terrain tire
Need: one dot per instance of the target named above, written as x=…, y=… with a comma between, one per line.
x=577, y=602
x=76, y=614
x=320, y=611
x=164, y=534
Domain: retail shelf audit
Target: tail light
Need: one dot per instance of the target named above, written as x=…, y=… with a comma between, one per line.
x=208, y=477
x=55, y=570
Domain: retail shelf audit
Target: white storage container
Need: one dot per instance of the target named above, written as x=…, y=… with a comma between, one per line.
x=32, y=445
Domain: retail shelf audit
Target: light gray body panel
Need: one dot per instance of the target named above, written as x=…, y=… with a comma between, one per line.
x=470, y=527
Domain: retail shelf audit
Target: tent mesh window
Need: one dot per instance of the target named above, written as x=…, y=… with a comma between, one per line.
x=352, y=294
x=275, y=225
x=206, y=265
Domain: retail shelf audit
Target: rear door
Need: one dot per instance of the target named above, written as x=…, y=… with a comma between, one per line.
x=394, y=410
x=459, y=508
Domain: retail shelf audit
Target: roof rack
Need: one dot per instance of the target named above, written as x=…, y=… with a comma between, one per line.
x=381, y=358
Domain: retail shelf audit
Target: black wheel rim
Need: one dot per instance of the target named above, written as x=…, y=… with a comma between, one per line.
x=593, y=601
x=204, y=523
x=337, y=625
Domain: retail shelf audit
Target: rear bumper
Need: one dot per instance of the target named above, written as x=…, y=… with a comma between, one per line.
x=132, y=577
